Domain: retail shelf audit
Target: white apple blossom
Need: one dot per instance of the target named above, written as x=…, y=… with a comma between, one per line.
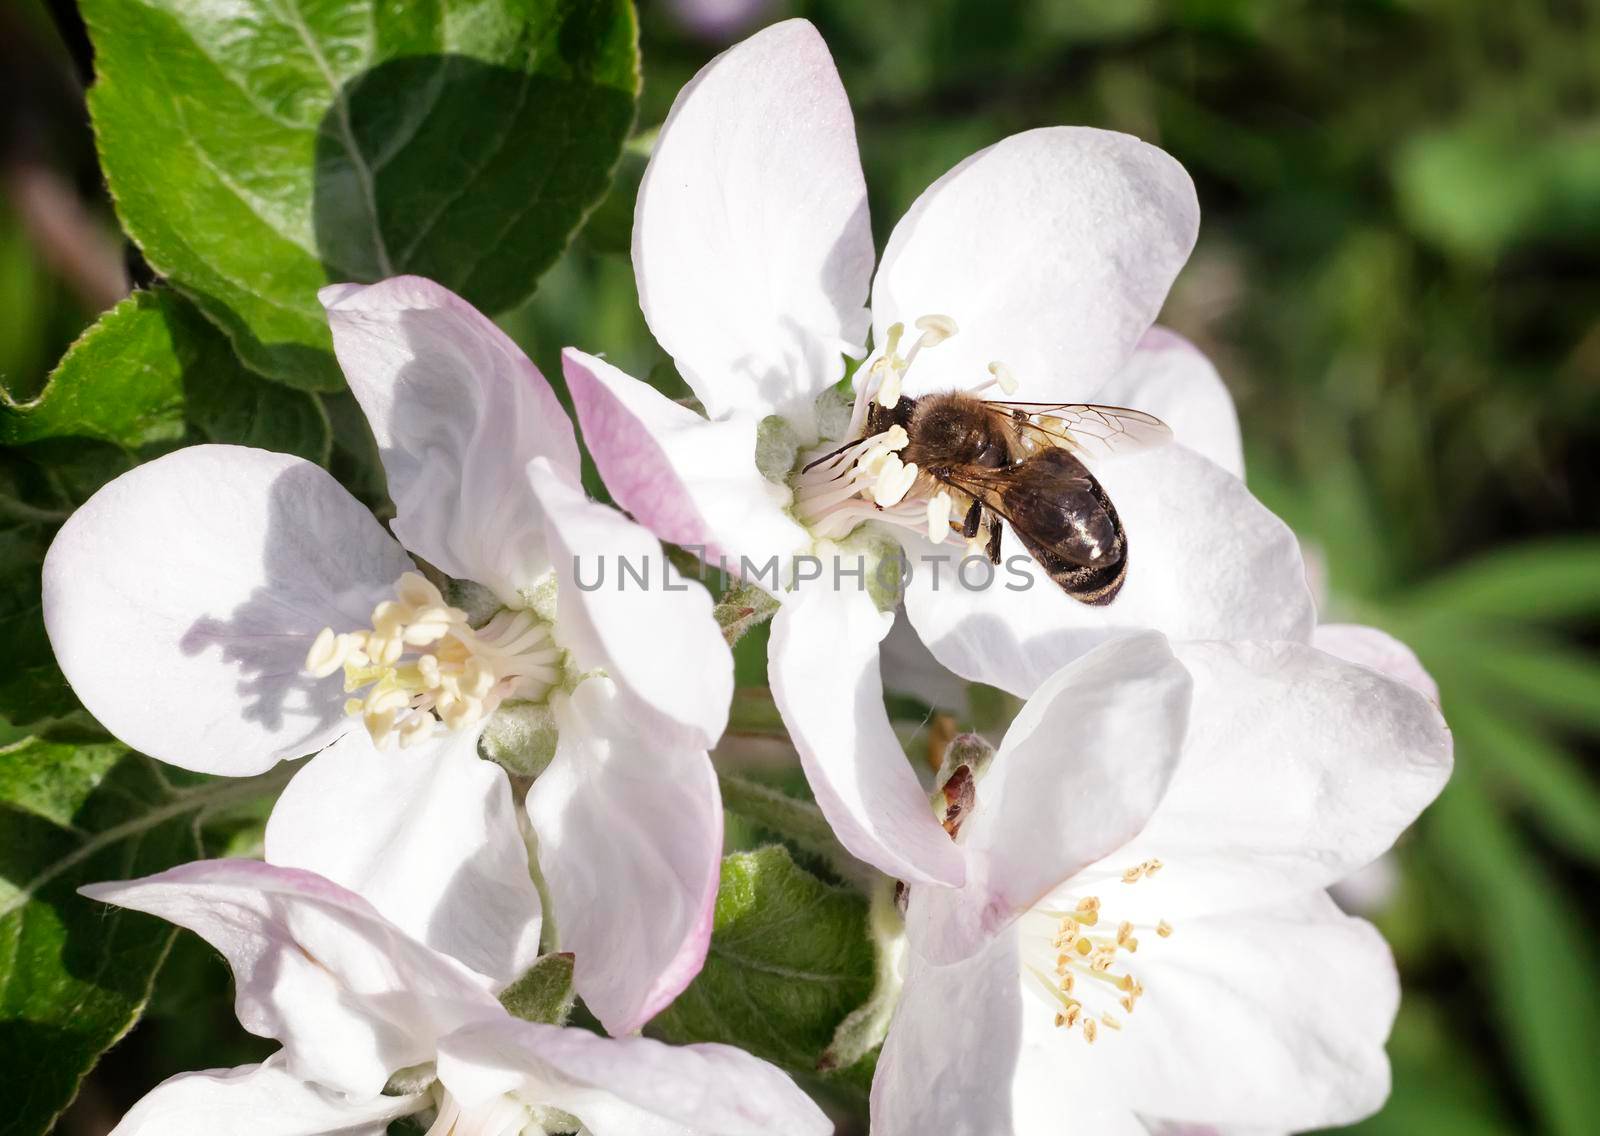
x=354, y=1001
x=219, y=607
x=1037, y=263
x=1144, y=934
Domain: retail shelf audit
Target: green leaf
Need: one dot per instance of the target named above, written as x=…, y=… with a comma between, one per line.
x=1542, y=673
x=1535, y=956
x=75, y=975
x=147, y=367
x=790, y=959
x=259, y=150
x=31, y=686
x=544, y=993
x=610, y=227
x=1555, y=579
x=1551, y=781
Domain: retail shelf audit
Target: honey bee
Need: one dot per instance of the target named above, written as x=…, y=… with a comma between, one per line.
x=1017, y=463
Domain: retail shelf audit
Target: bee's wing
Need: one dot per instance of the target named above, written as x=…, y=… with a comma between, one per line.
x=1099, y=431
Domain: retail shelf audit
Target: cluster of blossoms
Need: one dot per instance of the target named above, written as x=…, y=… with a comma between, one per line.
x=1116, y=917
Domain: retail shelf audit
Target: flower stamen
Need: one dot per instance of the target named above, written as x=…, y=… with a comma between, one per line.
x=1079, y=959
x=422, y=665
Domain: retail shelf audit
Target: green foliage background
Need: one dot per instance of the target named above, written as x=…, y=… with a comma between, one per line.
x=1398, y=275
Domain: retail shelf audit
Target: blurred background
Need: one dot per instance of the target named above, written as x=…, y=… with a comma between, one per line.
x=1398, y=276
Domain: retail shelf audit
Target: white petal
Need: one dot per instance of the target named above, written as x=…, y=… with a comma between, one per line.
x=631, y=1086
x=1299, y=768
x=823, y=666
x=458, y=411
x=688, y=480
x=257, y=1100
x=181, y=600
x=948, y=1063
x=1169, y=377
x=751, y=244
x=622, y=608
x=428, y=835
x=350, y=996
x=630, y=843
x=1270, y=1019
x=1376, y=649
x=1052, y=251
x=1206, y=560
x=1078, y=775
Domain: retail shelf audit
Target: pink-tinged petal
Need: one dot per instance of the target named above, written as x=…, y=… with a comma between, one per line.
x=428, y=835
x=1299, y=769
x=1271, y=1019
x=458, y=411
x=629, y=823
x=258, y=1100
x=1169, y=377
x=1078, y=775
x=751, y=244
x=1206, y=560
x=181, y=600
x=948, y=1063
x=1052, y=251
x=1379, y=650
x=628, y=1086
x=823, y=665
x=622, y=608
x=690, y=481
x=351, y=997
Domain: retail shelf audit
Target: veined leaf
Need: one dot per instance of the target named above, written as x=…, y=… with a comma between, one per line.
x=790, y=959
x=259, y=149
x=150, y=367
x=75, y=975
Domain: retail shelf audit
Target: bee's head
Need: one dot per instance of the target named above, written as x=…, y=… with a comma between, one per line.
x=880, y=417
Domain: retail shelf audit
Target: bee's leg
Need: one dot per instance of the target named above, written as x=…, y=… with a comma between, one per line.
x=969, y=527
x=994, y=539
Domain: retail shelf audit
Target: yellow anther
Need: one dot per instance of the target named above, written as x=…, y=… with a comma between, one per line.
x=414, y=728
x=888, y=395
x=1083, y=946
x=936, y=329
x=1088, y=1030
x=1002, y=375
x=1164, y=929
x=389, y=618
x=414, y=590
x=939, y=506
x=460, y=680
x=326, y=654
x=1133, y=874
x=1110, y=1021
